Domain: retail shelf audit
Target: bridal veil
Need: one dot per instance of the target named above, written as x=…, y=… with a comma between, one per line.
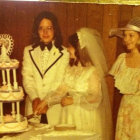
x=91, y=40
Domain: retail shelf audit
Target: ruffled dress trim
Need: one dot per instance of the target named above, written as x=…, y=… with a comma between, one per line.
x=127, y=79
x=80, y=75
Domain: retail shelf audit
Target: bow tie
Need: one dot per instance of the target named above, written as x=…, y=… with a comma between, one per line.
x=43, y=45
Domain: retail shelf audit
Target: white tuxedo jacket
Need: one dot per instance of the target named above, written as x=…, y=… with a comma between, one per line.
x=41, y=83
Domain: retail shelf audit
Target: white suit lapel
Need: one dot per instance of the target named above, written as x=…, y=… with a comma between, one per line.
x=54, y=56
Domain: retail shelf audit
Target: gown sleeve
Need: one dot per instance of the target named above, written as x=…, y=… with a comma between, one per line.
x=117, y=65
x=27, y=73
x=88, y=99
x=91, y=98
x=55, y=98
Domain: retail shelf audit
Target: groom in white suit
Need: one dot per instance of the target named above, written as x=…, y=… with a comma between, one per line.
x=44, y=64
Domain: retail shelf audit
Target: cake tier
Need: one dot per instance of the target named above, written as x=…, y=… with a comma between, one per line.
x=10, y=96
x=11, y=127
x=12, y=64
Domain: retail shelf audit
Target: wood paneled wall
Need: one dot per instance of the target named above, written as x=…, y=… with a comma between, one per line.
x=16, y=18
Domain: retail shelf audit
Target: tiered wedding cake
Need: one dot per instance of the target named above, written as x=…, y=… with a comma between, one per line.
x=10, y=92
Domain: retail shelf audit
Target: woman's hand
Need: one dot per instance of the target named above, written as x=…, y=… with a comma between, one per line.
x=35, y=103
x=41, y=108
x=68, y=100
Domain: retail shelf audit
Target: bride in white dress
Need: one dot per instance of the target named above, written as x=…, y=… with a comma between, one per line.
x=86, y=104
x=89, y=107
x=84, y=93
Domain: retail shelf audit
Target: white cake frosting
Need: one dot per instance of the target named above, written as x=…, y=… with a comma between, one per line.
x=13, y=95
x=13, y=63
x=12, y=125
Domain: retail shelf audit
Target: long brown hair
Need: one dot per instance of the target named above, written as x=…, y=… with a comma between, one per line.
x=81, y=54
x=57, y=33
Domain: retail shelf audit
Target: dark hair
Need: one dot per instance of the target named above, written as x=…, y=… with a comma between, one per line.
x=81, y=54
x=57, y=33
x=73, y=40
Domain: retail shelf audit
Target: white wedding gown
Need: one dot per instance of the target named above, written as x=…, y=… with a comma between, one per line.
x=90, y=110
x=85, y=88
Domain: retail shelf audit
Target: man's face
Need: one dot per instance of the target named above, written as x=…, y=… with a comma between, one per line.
x=46, y=31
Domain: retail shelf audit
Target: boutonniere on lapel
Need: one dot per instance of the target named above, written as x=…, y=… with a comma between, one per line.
x=55, y=51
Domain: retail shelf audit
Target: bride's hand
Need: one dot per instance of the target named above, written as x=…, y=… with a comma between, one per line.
x=68, y=100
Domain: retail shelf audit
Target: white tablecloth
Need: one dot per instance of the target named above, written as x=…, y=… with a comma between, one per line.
x=50, y=134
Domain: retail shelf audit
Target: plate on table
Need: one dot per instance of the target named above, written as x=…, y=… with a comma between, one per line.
x=42, y=126
x=15, y=132
x=34, y=120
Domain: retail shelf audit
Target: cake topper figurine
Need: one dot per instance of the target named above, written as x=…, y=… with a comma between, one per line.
x=6, y=44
